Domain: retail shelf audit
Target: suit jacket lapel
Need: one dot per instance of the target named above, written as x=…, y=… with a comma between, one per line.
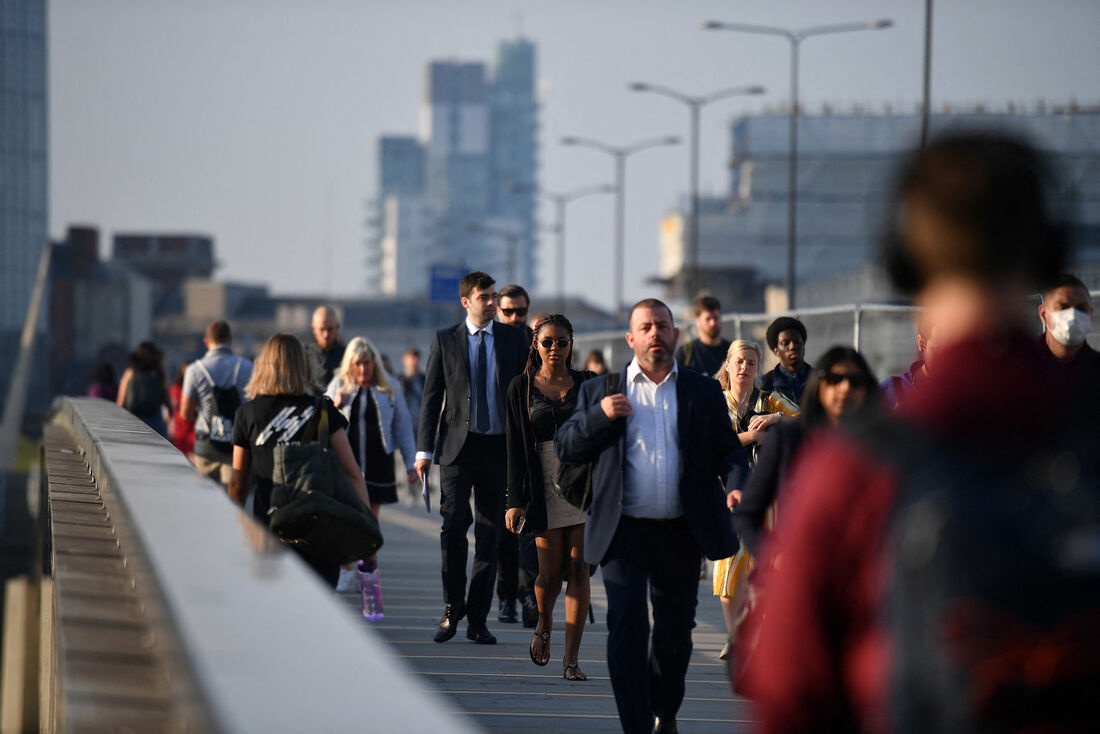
x=503, y=349
x=622, y=434
x=459, y=338
x=684, y=397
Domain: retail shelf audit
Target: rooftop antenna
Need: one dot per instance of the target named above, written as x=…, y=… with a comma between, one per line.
x=518, y=20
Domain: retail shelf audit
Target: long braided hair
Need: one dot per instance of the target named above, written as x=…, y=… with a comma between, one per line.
x=534, y=361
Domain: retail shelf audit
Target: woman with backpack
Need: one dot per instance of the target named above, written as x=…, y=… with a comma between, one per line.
x=143, y=389
x=539, y=401
x=378, y=422
x=282, y=406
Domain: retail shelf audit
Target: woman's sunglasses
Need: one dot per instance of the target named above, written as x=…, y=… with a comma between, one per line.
x=562, y=343
x=855, y=379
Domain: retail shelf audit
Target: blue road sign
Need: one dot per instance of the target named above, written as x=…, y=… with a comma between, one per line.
x=445, y=280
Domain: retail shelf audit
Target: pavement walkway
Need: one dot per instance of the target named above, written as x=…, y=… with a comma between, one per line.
x=498, y=686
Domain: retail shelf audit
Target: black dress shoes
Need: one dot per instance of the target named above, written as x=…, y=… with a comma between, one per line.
x=664, y=726
x=530, y=612
x=508, y=613
x=479, y=633
x=449, y=624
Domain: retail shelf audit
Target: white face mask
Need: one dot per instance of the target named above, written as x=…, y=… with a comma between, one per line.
x=1069, y=327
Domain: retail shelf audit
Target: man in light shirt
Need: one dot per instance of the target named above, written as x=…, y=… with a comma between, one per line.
x=665, y=457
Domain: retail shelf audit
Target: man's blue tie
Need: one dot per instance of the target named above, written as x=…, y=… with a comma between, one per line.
x=482, y=377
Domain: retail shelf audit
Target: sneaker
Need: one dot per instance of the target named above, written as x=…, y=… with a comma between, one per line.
x=348, y=581
x=371, y=590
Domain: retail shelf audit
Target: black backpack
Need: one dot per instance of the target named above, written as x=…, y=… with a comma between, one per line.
x=145, y=393
x=313, y=505
x=221, y=408
x=993, y=604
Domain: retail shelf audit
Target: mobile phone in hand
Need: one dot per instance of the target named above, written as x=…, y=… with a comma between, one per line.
x=521, y=524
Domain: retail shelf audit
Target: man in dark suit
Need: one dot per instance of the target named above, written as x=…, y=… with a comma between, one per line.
x=462, y=429
x=519, y=561
x=665, y=460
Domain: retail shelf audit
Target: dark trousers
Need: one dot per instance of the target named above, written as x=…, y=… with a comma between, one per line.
x=518, y=565
x=648, y=679
x=480, y=469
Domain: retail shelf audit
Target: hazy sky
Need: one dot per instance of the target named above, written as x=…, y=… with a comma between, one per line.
x=255, y=121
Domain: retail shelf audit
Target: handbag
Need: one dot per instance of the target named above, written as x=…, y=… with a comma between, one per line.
x=314, y=506
x=574, y=481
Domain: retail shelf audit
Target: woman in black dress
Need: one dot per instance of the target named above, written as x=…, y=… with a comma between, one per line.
x=539, y=401
x=281, y=407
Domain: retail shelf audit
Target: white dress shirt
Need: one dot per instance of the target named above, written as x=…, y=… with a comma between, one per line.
x=651, y=477
x=496, y=419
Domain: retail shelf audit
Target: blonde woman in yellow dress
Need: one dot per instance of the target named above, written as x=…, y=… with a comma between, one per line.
x=751, y=412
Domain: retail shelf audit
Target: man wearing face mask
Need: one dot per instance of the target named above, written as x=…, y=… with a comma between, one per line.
x=1066, y=313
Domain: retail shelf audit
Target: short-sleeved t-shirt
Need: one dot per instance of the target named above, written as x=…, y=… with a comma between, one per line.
x=268, y=420
x=222, y=366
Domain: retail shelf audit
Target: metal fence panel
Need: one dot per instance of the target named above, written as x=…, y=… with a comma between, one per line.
x=884, y=333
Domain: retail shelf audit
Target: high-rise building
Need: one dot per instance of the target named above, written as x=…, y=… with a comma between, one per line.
x=23, y=174
x=402, y=171
x=513, y=126
x=407, y=243
x=464, y=192
x=846, y=167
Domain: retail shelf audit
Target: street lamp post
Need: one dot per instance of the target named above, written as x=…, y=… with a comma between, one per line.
x=560, y=201
x=619, y=154
x=695, y=105
x=795, y=38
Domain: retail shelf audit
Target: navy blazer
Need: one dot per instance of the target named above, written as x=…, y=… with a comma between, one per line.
x=712, y=462
x=444, y=424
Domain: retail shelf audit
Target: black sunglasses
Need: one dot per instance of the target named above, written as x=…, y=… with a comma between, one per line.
x=516, y=311
x=562, y=342
x=855, y=379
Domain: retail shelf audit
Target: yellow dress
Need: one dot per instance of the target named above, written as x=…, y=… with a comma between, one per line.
x=731, y=574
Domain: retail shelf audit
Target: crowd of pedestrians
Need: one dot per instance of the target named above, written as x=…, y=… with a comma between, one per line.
x=867, y=536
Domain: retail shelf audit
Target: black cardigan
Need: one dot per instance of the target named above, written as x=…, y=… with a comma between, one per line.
x=525, y=480
x=764, y=482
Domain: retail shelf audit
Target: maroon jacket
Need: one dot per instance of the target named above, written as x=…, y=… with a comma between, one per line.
x=823, y=658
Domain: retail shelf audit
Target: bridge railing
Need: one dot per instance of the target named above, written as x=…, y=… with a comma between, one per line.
x=883, y=332
x=167, y=607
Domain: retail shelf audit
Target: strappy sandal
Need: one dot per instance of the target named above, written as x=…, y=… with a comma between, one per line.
x=572, y=671
x=545, y=637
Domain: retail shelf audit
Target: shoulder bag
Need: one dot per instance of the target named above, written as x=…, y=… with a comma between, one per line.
x=315, y=507
x=574, y=481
